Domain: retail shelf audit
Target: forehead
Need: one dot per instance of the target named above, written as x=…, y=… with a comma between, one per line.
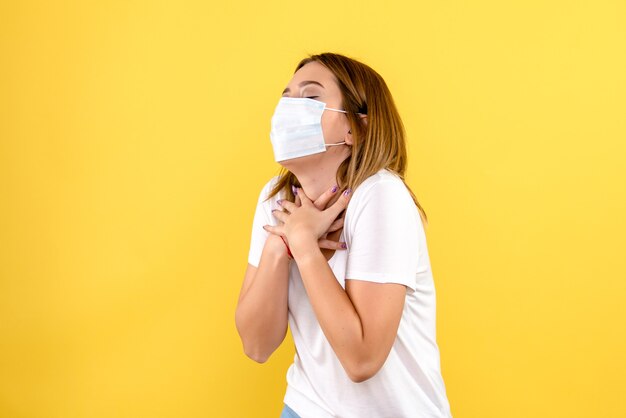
x=317, y=72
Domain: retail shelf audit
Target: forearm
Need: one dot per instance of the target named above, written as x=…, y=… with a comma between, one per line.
x=261, y=316
x=333, y=308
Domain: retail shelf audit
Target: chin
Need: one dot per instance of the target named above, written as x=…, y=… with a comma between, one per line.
x=302, y=161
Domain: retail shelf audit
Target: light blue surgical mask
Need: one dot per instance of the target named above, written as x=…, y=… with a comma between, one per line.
x=296, y=129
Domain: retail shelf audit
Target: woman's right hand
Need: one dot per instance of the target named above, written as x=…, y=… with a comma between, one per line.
x=321, y=203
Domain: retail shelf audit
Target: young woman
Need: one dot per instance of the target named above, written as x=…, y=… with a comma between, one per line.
x=338, y=251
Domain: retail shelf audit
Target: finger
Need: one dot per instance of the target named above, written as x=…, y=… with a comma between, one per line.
x=276, y=230
x=297, y=200
x=331, y=245
x=335, y=225
x=304, y=198
x=290, y=206
x=323, y=200
x=280, y=214
x=341, y=203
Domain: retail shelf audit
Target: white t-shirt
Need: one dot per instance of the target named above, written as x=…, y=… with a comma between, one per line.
x=386, y=243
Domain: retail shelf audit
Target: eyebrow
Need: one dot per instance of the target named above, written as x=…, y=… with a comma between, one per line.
x=303, y=83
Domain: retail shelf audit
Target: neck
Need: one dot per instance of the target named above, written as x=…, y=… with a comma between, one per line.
x=317, y=179
x=318, y=173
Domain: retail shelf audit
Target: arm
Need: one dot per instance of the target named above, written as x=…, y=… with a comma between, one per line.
x=261, y=314
x=360, y=323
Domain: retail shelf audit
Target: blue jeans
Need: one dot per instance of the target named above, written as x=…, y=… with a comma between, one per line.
x=288, y=413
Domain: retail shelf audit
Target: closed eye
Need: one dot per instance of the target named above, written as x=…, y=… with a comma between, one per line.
x=308, y=97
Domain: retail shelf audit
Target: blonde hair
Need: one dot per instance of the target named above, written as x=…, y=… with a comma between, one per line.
x=379, y=143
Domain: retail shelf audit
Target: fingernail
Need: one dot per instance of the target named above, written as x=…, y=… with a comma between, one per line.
x=334, y=189
x=347, y=192
x=279, y=201
x=293, y=189
x=344, y=245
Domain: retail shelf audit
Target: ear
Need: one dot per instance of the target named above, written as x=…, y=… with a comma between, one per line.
x=348, y=137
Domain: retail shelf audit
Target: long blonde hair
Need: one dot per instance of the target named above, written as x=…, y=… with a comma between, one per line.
x=379, y=143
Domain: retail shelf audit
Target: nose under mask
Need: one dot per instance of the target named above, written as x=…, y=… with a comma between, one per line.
x=296, y=128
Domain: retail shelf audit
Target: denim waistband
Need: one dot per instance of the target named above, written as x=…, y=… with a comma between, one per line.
x=288, y=413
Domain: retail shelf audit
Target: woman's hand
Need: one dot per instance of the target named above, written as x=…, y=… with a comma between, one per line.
x=321, y=203
x=310, y=220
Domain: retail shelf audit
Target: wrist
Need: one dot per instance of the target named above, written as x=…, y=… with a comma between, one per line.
x=287, y=246
x=302, y=246
x=277, y=247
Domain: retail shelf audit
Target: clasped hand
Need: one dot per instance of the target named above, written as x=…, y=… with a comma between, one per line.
x=304, y=224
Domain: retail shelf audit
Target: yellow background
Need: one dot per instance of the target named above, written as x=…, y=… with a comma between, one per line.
x=134, y=140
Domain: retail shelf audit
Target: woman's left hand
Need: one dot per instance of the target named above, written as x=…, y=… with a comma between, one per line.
x=305, y=224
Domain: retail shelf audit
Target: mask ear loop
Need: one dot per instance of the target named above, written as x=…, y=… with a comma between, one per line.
x=339, y=110
x=336, y=110
x=350, y=131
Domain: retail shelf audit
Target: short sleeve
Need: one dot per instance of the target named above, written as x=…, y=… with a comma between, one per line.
x=384, y=235
x=259, y=235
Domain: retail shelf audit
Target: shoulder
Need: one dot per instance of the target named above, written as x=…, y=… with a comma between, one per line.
x=383, y=199
x=384, y=184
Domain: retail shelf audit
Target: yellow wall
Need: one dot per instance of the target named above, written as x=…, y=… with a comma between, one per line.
x=134, y=139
